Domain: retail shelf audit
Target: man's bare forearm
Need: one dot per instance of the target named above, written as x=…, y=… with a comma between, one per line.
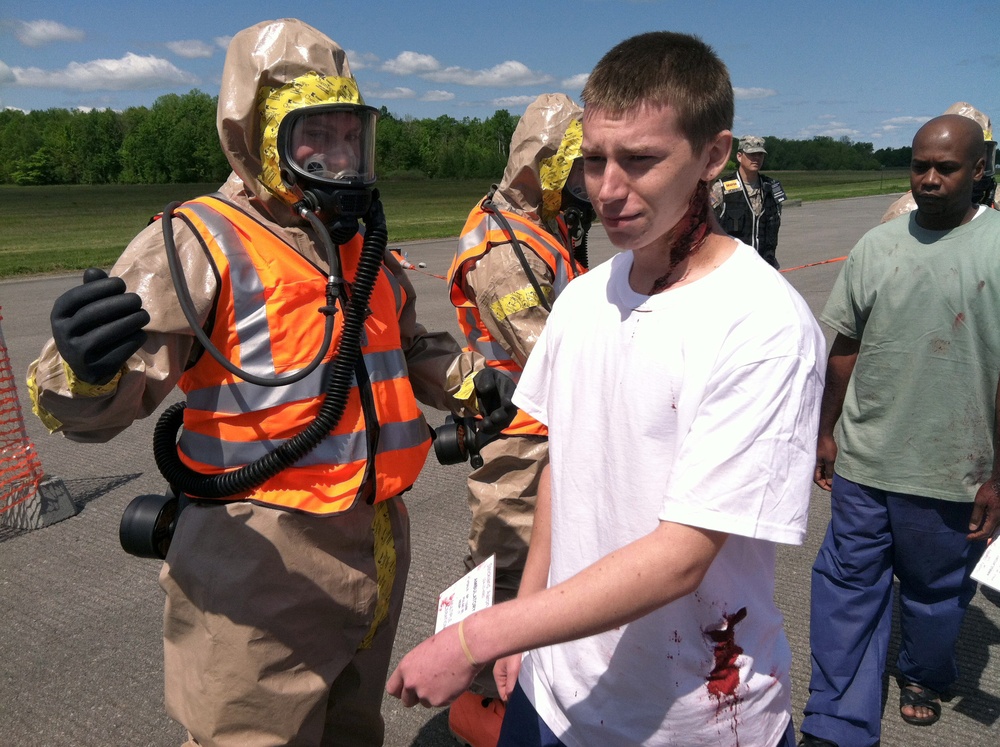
x=667, y=564
x=839, y=367
x=536, y=568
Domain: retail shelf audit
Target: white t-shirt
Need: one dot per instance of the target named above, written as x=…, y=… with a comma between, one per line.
x=698, y=406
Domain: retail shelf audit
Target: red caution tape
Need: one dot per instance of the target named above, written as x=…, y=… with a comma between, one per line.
x=813, y=264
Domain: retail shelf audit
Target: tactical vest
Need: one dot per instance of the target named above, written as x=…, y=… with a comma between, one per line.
x=738, y=220
x=267, y=322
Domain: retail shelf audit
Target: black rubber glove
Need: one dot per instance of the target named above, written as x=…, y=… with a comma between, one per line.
x=97, y=326
x=494, y=391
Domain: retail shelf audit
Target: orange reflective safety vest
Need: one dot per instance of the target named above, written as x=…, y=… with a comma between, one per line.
x=267, y=321
x=481, y=233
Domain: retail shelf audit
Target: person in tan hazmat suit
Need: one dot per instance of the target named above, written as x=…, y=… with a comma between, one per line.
x=984, y=192
x=282, y=596
x=519, y=248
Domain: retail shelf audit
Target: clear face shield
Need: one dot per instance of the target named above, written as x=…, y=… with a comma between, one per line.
x=984, y=191
x=577, y=211
x=328, y=152
x=575, y=184
x=991, y=158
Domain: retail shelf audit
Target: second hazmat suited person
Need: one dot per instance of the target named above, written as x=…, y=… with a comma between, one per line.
x=519, y=248
x=293, y=335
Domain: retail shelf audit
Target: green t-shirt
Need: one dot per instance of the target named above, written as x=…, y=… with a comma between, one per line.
x=919, y=413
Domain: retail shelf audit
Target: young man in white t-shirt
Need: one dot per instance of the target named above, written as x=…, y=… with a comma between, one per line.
x=681, y=385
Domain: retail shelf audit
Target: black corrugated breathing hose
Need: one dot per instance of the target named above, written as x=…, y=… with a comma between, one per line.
x=338, y=386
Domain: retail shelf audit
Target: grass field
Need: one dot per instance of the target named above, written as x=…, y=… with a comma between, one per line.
x=60, y=228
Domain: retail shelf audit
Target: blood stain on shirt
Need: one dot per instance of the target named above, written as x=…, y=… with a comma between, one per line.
x=725, y=676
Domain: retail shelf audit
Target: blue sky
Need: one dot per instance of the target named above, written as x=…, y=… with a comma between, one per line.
x=871, y=71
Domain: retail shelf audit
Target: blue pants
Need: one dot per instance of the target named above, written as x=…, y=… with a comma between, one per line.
x=523, y=727
x=872, y=535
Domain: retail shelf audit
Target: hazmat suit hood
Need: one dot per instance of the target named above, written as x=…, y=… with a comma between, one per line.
x=968, y=110
x=545, y=143
x=270, y=69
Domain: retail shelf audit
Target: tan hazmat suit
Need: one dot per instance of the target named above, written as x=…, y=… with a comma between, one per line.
x=278, y=625
x=487, y=275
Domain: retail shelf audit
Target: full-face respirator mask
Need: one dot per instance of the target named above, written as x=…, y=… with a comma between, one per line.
x=984, y=190
x=577, y=211
x=327, y=156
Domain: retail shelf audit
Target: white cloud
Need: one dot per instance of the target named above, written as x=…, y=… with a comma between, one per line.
x=746, y=94
x=829, y=129
x=37, y=33
x=191, y=48
x=509, y=73
x=576, y=82
x=849, y=132
x=400, y=92
x=513, y=102
x=361, y=60
x=897, y=126
x=222, y=42
x=131, y=72
x=6, y=74
x=437, y=96
x=411, y=63
x=895, y=122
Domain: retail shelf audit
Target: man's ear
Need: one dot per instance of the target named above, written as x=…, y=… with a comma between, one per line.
x=979, y=170
x=718, y=150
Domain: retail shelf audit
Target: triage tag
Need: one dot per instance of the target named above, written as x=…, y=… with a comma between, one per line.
x=987, y=570
x=471, y=593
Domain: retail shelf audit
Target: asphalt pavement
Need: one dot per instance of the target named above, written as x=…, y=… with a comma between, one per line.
x=80, y=621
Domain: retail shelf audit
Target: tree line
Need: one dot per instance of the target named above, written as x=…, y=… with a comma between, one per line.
x=823, y=153
x=175, y=141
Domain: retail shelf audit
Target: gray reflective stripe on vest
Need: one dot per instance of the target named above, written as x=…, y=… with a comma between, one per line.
x=561, y=280
x=491, y=350
x=477, y=236
x=494, y=352
x=397, y=289
x=340, y=449
x=240, y=397
x=248, y=293
x=561, y=274
x=473, y=238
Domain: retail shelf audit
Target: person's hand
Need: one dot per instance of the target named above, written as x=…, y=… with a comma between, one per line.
x=826, y=455
x=985, y=512
x=434, y=673
x=505, y=673
x=493, y=392
x=97, y=326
